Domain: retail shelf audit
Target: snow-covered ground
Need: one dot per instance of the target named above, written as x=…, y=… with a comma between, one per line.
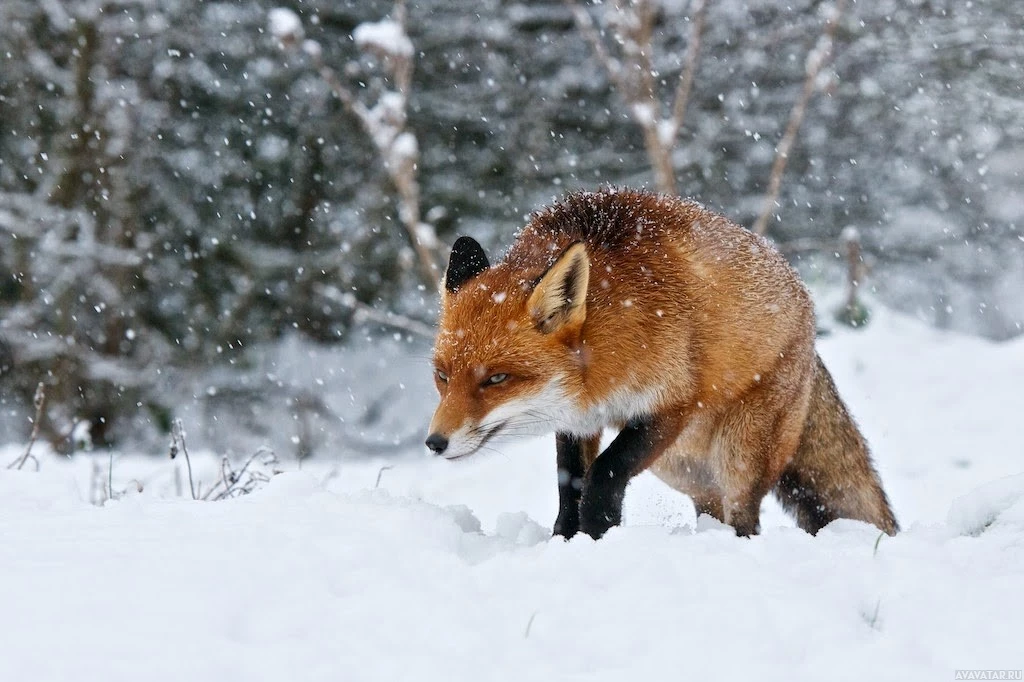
x=445, y=570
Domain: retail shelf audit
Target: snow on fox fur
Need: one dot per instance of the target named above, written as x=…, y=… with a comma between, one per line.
x=685, y=332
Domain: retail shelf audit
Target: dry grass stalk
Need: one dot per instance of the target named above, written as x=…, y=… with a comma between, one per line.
x=38, y=402
x=178, y=445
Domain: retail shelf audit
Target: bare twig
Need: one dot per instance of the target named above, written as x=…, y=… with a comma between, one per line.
x=38, y=401
x=380, y=474
x=403, y=177
x=386, y=125
x=632, y=74
x=110, y=493
x=242, y=482
x=640, y=46
x=872, y=620
x=529, y=625
x=178, y=445
x=854, y=265
x=586, y=25
x=853, y=312
x=685, y=86
x=817, y=58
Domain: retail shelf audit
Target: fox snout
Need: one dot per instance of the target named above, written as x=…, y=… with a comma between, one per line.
x=462, y=442
x=446, y=433
x=458, y=438
x=437, y=443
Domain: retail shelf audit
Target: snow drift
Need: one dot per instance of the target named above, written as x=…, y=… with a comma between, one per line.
x=446, y=571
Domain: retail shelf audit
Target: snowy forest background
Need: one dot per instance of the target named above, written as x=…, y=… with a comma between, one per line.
x=232, y=212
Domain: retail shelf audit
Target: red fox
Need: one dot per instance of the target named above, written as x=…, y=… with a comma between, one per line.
x=689, y=334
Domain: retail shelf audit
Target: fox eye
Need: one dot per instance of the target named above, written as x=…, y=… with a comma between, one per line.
x=441, y=376
x=495, y=379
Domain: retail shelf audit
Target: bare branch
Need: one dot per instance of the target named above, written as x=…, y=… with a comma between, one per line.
x=586, y=25
x=640, y=43
x=633, y=76
x=403, y=67
x=853, y=312
x=637, y=46
x=384, y=123
x=817, y=58
x=348, y=99
x=686, y=77
x=660, y=157
x=38, y=401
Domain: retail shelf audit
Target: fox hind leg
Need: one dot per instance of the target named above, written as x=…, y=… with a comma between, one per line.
x=755, y=441
x=831, y=475
x=746, y=477
x=708, y=502
x=742, y=511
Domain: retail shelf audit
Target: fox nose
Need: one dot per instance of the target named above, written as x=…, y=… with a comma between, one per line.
x=437, y=443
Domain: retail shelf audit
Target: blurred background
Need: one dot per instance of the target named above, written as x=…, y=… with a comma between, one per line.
x=234, y=213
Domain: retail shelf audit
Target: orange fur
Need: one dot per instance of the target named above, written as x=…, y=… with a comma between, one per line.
x=622, y=305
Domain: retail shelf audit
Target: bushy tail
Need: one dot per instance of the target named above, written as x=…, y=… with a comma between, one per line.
x=831, y=476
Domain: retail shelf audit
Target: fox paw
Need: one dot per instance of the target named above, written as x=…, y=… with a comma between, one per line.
x=595, y=521
x=566, y=526
x=600, y=509
x=598, y=526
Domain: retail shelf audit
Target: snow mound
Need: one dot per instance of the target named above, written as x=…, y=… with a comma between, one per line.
x=26, y=492
x=995, y=505
x=415, y=568
x=374, y=586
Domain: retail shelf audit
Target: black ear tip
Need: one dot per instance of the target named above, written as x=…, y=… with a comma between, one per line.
x=465, y=243
x=467, y=261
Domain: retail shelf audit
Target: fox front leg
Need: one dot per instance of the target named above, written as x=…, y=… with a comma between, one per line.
x=574, y=456
x=641, y=442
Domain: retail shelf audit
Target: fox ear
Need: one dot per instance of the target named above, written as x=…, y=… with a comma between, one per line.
x=560, y=297
x=466, y=262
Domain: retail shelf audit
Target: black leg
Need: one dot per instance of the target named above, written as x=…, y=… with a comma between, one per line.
x=604, y=486
x=571, y=468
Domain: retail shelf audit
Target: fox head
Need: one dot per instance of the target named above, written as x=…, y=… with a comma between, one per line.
x=508, y=346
